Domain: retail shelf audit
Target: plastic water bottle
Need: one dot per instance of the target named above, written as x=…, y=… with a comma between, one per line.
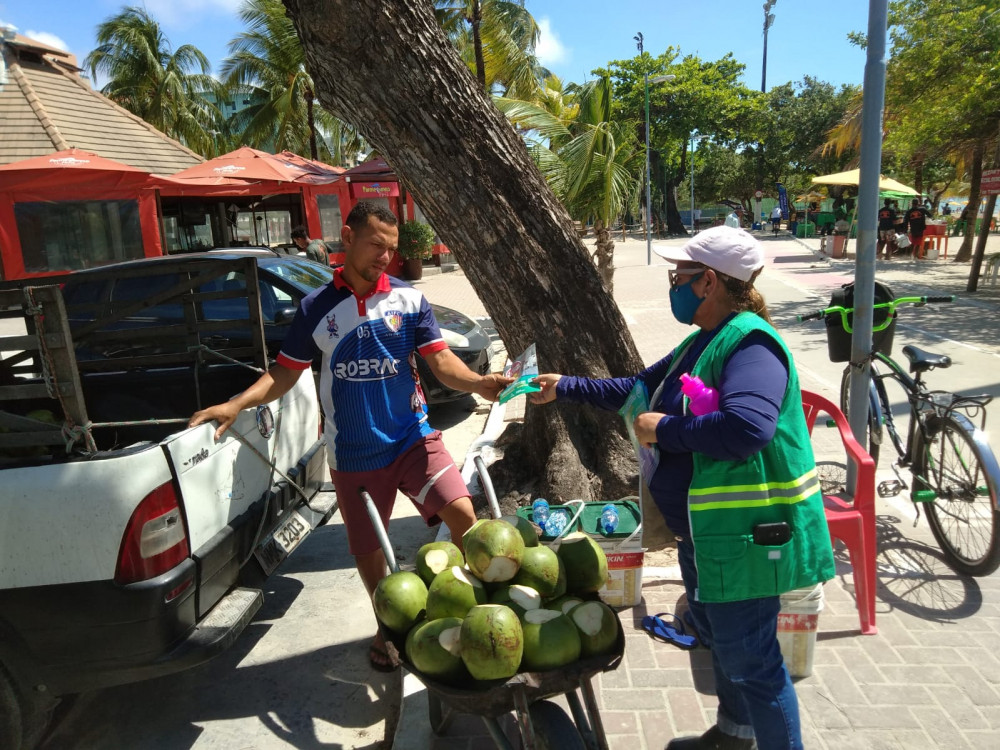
x=609, y=519
x=556, y=523
x=540, y=511
x=703, y=400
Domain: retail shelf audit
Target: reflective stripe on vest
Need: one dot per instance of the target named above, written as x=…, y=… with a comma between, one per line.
x=754, y=495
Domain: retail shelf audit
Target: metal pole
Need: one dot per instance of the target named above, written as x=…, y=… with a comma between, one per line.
x=692, y=184
x=871, y=167
x=649, y=238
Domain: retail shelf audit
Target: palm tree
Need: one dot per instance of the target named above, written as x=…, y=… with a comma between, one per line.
x=152, y=82
x=497, y=40
x=266, y=64
x=590, y=161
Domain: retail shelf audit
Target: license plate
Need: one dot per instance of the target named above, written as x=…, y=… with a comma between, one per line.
x=285, y=538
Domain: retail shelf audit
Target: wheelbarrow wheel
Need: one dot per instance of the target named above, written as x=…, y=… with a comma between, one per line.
x=554, y=729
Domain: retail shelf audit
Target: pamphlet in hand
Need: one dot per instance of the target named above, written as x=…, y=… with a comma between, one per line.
x=637, y=403
x=524, y=369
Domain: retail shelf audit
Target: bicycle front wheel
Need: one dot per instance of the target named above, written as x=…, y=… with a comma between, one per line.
x=874, y=425
x=962, y=517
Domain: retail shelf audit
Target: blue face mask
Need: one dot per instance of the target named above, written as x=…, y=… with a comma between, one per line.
x=684, y=302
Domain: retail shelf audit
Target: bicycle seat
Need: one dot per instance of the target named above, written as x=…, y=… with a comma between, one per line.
x=921, y=361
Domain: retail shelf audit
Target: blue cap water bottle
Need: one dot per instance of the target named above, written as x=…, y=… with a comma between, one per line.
x=557, y=522
x=540, y=511
x=609, y=519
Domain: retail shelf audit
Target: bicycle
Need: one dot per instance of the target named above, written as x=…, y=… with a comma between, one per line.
x=955, y=473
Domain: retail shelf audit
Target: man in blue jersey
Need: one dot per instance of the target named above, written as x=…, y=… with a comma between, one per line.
x=365, y=326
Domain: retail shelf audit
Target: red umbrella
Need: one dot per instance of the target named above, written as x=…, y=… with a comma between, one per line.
x=68, y=168
x=373, y=169
x=246, y=164
x=316, y=167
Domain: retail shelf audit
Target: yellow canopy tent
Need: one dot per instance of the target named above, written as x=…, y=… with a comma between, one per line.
x=886, y=186
x=853, y=177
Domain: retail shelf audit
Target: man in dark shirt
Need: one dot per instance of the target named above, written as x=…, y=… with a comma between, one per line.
x=886, y=229
x=916, y=220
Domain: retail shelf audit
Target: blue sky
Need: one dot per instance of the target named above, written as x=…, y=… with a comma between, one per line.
x=579, y=35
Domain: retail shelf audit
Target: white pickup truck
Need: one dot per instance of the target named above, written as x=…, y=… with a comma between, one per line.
x=131, y=546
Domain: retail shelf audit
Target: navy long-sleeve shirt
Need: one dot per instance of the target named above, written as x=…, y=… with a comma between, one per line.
x=751, y=389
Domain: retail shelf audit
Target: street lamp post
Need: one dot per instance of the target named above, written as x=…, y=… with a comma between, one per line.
x=768, y=20
x=693, y=139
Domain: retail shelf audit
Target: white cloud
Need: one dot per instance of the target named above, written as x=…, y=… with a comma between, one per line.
x=46, y=38
x=549, y=50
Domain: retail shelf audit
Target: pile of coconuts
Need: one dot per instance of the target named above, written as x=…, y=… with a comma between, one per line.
x=510, y=605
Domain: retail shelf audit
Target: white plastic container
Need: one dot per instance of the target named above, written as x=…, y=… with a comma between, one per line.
x=798, y=622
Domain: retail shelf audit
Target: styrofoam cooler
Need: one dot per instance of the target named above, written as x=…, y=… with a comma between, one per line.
x=623, y=548
x=798, y=623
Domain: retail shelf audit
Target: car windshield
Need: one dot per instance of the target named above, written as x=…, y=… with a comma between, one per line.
x=304, y=275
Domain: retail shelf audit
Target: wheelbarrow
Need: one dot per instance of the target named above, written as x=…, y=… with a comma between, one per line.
x=543, y=724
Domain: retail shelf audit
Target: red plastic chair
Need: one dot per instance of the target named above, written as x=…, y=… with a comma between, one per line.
x=852, y=523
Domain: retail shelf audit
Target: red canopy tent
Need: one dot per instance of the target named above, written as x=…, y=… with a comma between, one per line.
x=246, y=163
x=31, y=190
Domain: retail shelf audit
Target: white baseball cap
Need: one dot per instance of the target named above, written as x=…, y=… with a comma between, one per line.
x=734, y=252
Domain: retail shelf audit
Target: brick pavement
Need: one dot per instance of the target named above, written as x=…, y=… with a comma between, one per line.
x=929, y=679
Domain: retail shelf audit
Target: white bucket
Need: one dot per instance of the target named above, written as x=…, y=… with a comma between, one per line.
x=798, y=622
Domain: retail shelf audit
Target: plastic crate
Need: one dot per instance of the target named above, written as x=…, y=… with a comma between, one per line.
x=838, y=340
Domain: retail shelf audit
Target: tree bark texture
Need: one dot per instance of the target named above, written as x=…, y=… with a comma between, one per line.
x=964, y=253
x=386, y=67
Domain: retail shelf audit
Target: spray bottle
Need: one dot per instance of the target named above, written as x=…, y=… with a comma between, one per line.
x=703, y=400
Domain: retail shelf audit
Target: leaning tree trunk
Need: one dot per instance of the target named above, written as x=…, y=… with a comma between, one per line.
x=477, y=42
x=311, y=117
x=387, y=68
x=675, y=225
x=964, y=253
x=604, y=252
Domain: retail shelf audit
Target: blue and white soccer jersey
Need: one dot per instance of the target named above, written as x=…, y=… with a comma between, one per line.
x=369, y=384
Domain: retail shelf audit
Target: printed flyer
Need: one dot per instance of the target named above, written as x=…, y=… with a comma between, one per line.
x=524, y=369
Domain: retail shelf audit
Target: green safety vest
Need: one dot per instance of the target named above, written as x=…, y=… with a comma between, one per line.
x=728, y=498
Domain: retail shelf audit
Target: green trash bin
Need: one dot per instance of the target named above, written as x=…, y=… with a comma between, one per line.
x=805, y=230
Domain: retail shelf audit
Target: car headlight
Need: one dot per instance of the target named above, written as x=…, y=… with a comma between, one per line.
x=454, y=340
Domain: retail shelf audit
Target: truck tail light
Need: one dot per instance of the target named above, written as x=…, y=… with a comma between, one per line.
x=155, y=539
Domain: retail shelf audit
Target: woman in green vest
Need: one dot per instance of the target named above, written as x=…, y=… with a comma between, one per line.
x=736, y=485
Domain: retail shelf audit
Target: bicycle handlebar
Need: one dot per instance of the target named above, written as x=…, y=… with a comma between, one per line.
x=890, y=308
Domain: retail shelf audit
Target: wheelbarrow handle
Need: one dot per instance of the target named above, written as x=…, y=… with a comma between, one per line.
x=484, y=477
x=383, y=538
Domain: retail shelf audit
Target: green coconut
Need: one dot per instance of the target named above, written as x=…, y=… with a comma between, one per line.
x=399, y=600
x=551, y=640
x=519, y=598
x=453, y=592
x=598, y=627
x=492, y=642
x=493, y=550
x=563, y=603
x=435, y=649
x=539, y=570
x=525, y=527
x=434, y=557
x=586, y=564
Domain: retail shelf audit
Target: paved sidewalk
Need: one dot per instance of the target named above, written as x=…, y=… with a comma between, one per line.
x=931, y=677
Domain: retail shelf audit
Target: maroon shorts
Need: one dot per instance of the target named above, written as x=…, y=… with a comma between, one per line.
x=426, y=474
